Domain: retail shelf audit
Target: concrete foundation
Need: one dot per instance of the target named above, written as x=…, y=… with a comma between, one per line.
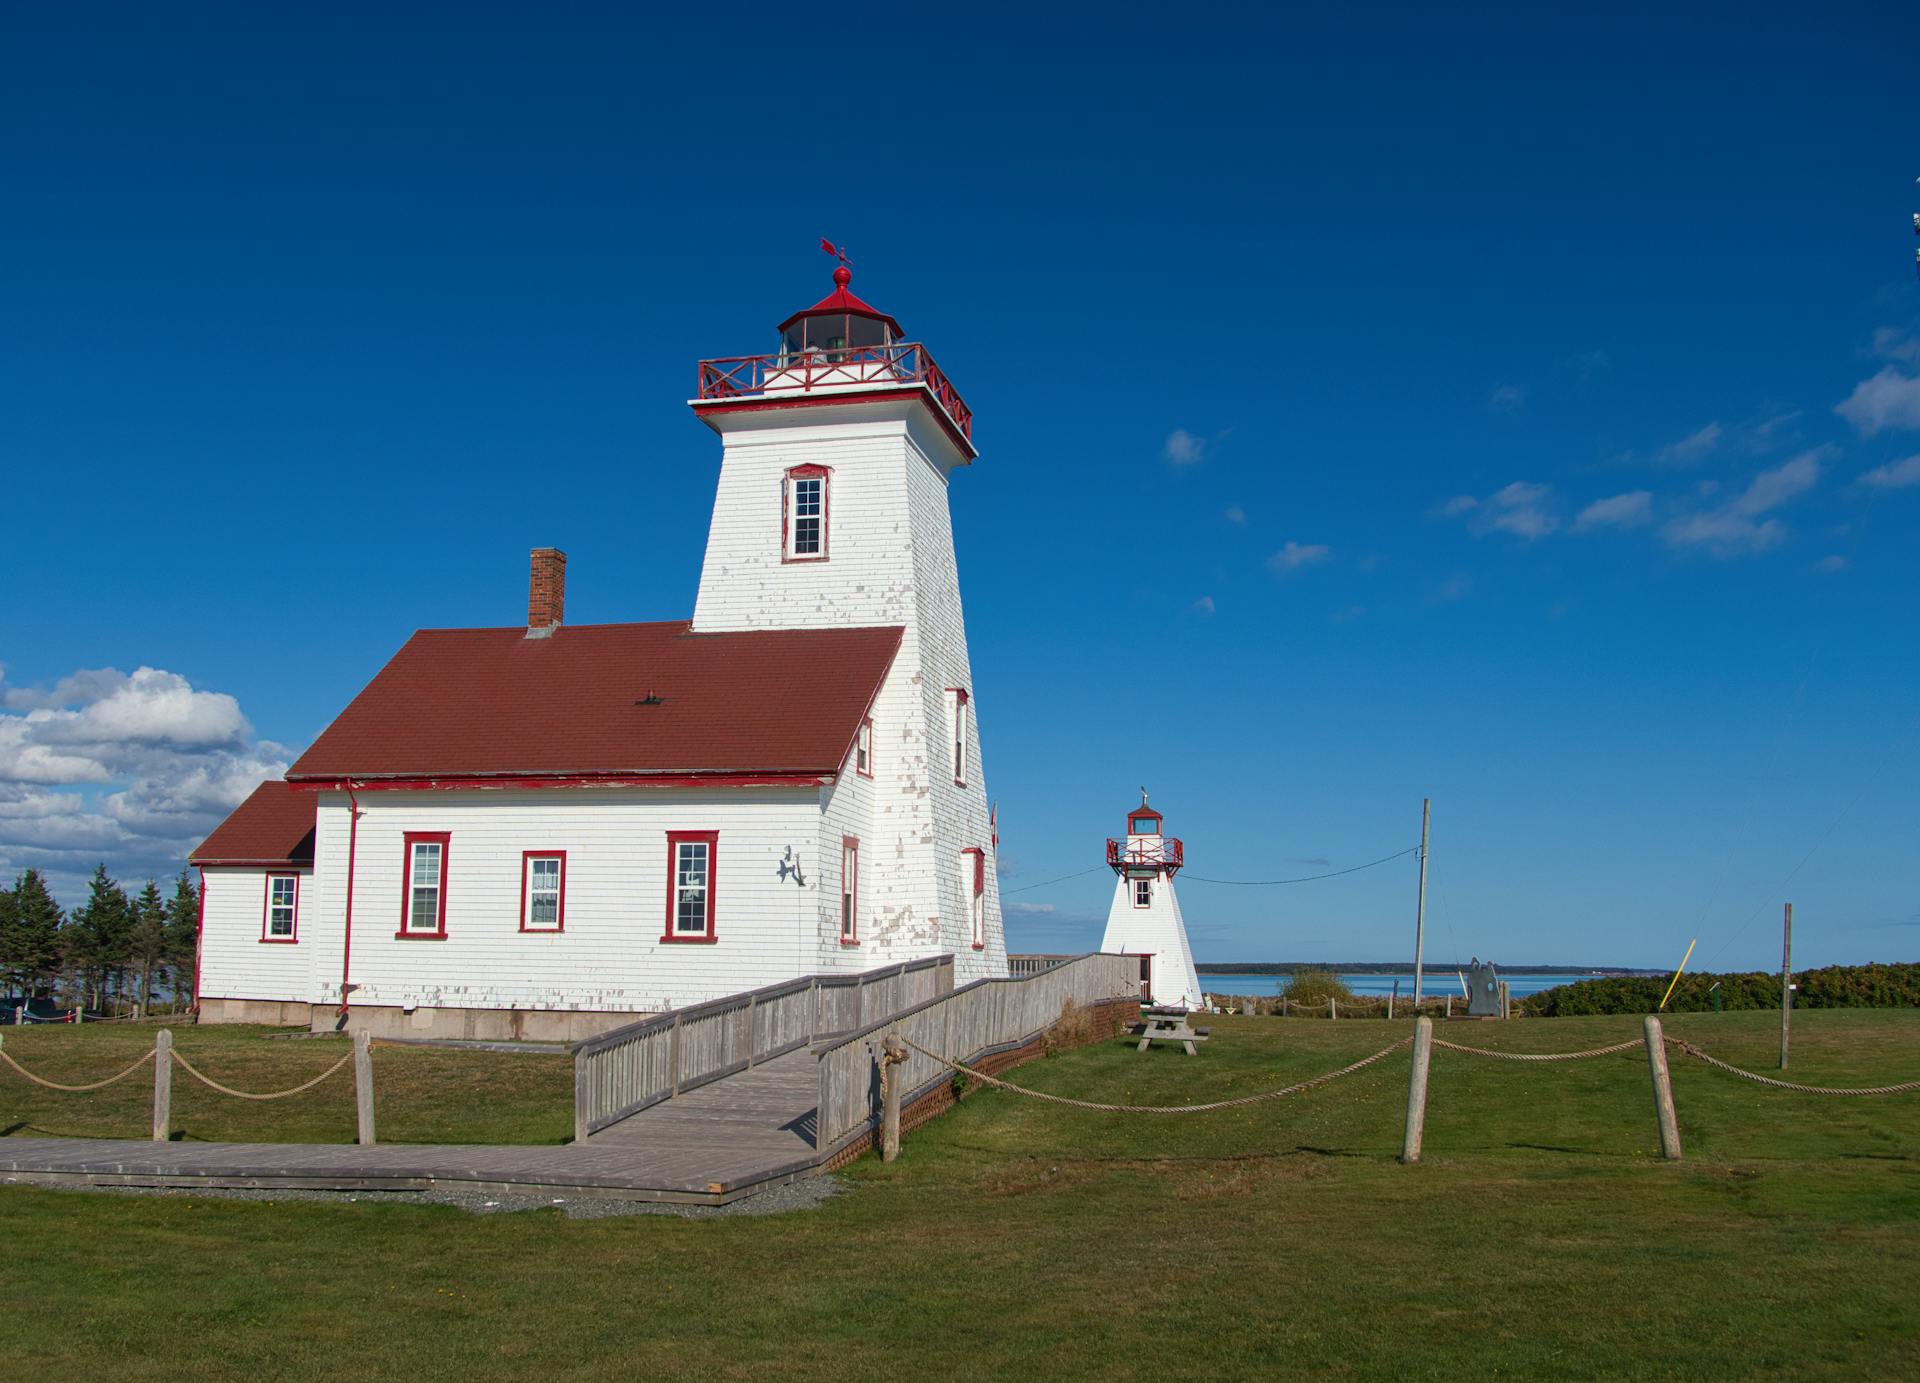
x=280, y=1013
x=476, y=1024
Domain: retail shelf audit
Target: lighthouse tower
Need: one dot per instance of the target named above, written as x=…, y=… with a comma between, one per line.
x=831, y=512
x=1145, y=916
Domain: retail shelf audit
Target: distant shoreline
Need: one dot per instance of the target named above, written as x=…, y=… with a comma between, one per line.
x=1397, y=967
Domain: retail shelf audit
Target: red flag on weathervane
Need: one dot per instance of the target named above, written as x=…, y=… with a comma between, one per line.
x=838, y=253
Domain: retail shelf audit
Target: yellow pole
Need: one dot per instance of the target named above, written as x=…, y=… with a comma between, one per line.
x=1676, y=974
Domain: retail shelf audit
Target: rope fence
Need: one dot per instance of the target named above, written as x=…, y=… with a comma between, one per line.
x=164, y=1058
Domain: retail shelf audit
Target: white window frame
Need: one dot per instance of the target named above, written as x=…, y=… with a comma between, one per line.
x=440, y=842
x=1140, y=887
x=292, y=909
x=529, y=893
x=680, y=892
x=957, y=736
x=863, y=749
x=815, y=478
x=973, y=888
x=849, y=891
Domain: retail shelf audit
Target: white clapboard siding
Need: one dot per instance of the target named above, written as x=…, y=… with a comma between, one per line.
x=610, y=956
x=890, y=561
x=234, y=962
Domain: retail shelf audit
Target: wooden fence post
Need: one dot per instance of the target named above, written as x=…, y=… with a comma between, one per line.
x=1283, y=1006
x=582, y=1084
x=749, y=1024
x=1506, y=1001
x=892, y=1054
x=162, y=1085
x=363, y=1085
x=673, y=1052
x=1662, y=1090
x=1333, y=1008
x=1391, y=997
x=1417, y=1090
x=1449, y=1012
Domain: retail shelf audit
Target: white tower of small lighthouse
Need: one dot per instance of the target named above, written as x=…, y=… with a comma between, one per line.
x=832, y=513
x=1145, y=916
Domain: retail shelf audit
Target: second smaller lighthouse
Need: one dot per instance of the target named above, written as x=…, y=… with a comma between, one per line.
x=1145, y=916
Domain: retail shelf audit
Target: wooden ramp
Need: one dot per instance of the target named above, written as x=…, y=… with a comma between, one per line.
x=709, y=1146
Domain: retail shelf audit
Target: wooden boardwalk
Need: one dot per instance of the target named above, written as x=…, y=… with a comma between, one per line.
x=709, y=1146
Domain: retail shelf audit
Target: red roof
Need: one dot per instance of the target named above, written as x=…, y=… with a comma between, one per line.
x=841, y=300
x=273, y=826
x=608, y=700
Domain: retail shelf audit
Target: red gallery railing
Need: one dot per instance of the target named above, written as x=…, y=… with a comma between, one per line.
x=852, y=367
x=1168, y=854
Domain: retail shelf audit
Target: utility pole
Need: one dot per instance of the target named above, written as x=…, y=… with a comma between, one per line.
x=1786, y=986
x=1420, y=914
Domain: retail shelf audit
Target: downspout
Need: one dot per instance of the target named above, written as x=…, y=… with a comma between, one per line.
x=346, y=950
x=199, y=942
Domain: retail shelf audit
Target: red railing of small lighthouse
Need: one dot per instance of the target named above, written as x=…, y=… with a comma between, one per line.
x=1167, y=854
x=903, y=362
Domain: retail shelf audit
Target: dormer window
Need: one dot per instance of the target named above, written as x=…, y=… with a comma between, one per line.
x=804, y=523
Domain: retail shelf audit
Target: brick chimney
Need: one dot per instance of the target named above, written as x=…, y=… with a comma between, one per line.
x=546, y=592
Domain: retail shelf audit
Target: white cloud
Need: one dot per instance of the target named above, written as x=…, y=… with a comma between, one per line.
x=1204, y=605
x=1453, y=588
x=1617, y=511
x=1508, y=398
x=1737, y=528
x=1235, y=514
x=133, y=769
x=1294, y=556
x=1031, y=909
x=1895, y=475
x=1521, y=508
x=1183, y=448
x=1891, y=343
x=1891, y=399
x=1586, y=366
x=1831, y=564
x=1691, y=449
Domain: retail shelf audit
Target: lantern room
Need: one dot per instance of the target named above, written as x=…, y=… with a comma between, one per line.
x=838, y=325
x=840, y=351
x=1147, y=850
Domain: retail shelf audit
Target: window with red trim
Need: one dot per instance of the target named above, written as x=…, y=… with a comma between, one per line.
x=423, y=894
x=1143, y=893
x=543, y=890
x=849, y=892
x=973, y=887
x=957, y=699
x=281, y=920
x=863, y=749
x=690, y=876
x=803, y=518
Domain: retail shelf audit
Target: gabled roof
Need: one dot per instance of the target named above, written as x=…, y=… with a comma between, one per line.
x=608, y=701
x=273, y=826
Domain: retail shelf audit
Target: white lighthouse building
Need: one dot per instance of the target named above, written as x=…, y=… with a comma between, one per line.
x=1145, y=917
x=542, y=830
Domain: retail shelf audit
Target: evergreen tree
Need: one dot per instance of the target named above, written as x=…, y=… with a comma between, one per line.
x=183, y=935
x=97, y=935
x=147, y=941
x=34, y=952
x=12, y=973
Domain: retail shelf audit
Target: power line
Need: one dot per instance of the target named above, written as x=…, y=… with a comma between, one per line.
x=1006, y=892
x=1305, y=879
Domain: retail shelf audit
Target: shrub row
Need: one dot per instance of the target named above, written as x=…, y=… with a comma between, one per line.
x=1832, y=986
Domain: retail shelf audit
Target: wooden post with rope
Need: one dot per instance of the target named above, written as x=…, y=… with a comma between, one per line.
x=1417, y=1090
x=1662, y=1089
x=363, y=1085
x=1786, y=986
x=162, y=1086
x=892, y=1055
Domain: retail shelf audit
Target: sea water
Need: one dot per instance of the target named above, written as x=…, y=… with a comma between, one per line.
x=1433, y=984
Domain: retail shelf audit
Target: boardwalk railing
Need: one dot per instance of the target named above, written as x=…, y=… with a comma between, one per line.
x=967, y=1024
x=622, y=1072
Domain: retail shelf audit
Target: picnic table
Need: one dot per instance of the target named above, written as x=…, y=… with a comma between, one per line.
x=1169, y=1025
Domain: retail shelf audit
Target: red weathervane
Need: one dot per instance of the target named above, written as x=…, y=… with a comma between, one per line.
x=839, y=252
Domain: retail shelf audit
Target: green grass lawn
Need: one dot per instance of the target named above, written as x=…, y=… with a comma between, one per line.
x=1542, y=1235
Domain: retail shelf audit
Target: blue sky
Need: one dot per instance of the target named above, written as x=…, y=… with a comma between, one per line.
x=1302, y=348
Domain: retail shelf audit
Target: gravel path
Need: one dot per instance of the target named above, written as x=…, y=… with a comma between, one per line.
x=806, y=1194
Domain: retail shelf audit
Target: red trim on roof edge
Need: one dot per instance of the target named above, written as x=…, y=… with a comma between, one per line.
x=703, y=407
x=568, y=780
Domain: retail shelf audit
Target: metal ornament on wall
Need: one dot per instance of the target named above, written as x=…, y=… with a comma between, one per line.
x=790, y=865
